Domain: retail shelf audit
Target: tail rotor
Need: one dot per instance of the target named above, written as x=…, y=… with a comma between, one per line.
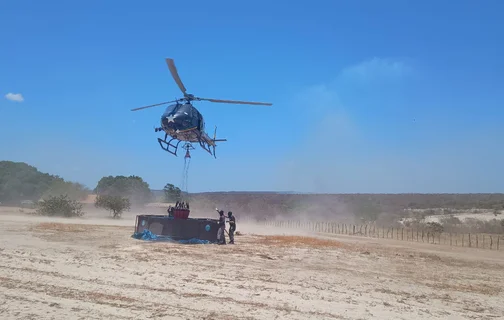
x=214, y=145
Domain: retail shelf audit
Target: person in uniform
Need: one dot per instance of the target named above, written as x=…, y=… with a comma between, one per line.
x=232, y=227
x=221, y=239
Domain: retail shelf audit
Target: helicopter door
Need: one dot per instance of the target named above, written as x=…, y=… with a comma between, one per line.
x=201, y=123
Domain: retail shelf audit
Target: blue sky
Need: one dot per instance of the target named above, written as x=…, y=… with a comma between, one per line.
x=369, y=96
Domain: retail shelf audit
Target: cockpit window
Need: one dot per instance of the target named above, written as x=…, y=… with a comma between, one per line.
x=171, y=109
x=185, y=109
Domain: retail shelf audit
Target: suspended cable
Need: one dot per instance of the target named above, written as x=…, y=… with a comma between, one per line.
x=184, y=187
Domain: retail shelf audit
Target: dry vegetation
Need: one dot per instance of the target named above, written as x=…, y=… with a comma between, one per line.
x=90, y=268
x=300, y=242
x=384, y=210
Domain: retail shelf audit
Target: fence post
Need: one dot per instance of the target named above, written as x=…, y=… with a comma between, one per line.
x=491, y=242
x=469, y=240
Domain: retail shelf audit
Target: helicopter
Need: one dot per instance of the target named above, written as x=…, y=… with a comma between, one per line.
x=181, y=121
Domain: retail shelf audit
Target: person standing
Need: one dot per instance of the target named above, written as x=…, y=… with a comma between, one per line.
x=232, y=227
x=221, y=239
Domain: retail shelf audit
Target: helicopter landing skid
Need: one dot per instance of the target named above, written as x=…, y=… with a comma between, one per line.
x=165, y=145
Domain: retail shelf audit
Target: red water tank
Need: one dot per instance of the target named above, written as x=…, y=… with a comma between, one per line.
x=181, y=213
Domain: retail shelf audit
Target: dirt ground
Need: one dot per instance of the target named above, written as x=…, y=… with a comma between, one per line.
x=92, y=269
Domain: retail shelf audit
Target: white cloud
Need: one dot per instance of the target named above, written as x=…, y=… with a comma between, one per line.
x=377, y=68
x=18, y=97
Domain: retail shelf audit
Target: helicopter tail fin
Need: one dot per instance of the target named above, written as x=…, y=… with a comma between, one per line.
x=216, y=140
x=215, y=136
x=209, y=143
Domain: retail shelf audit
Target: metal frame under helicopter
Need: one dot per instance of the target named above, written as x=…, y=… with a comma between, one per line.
x=192, y=134
x=202, y=140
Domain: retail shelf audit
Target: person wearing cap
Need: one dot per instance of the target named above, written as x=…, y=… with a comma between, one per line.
x=232, y=227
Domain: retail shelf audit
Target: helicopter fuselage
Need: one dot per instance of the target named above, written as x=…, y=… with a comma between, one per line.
x=183, y=122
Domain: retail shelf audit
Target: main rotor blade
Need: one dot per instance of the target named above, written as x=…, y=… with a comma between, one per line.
x=174, y=73
x=153, y=105
x=237, y=102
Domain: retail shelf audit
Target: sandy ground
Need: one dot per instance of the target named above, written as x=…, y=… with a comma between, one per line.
x=92, y=269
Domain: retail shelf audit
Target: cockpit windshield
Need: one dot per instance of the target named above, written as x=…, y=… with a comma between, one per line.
x=171, y=109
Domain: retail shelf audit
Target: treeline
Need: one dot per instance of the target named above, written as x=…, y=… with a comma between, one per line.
x=392, y=201
x=20, y=181
x=361, y=206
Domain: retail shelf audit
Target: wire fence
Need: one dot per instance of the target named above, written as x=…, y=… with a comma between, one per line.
x=470, y=240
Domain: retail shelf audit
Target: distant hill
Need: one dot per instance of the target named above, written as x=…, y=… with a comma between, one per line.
x=20, y=181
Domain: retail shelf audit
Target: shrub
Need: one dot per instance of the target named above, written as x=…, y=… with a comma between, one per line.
x=115, y=204
x=60, y=206
x=434, y=227
x=172, y=193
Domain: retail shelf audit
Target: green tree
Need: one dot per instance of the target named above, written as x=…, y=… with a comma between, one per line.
x=133, y=188
x=74, y=191
x=172, y=193
x=434, y=227
x=61, y=206
x=20, y=181
x=115, y=204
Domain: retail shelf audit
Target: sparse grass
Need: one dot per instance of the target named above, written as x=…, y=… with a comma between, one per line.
x=473, y=288
x=62, y=227
x=300, y=241
x=68, y=227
